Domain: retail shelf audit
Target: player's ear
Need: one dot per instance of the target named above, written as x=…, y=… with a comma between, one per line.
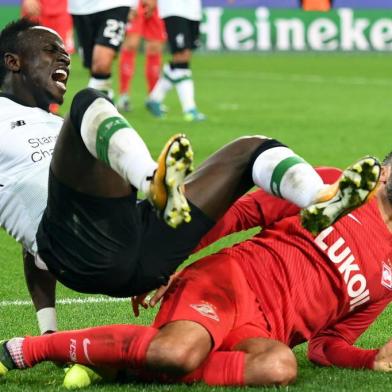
x=12, y=61
x=385, y=173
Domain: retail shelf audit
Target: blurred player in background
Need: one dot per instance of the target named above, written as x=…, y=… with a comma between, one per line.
x=144, y=23
x=100, y=27
x=182, y=19
x=53, y=14
x=316, y=5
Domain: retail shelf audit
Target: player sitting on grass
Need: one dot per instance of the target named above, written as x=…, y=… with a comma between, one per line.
x=84, y=225
x=233, y=317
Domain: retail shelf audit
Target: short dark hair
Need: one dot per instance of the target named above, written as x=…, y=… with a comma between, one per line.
x=10, y=41
x=388, y=160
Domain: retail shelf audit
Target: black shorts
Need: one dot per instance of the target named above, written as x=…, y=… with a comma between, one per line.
x=105, y=28
x=112, y=246
x=182, y=33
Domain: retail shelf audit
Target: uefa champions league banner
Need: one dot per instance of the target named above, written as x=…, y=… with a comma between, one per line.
x=270, y=29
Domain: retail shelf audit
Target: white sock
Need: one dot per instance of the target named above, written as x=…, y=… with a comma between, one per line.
x=186, y=94
x=103, y=85
x=47, y=320
x=162, y=87
x=281, y=172
x=109, y=137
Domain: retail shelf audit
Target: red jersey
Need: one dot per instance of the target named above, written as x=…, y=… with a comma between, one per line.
x=327, y=289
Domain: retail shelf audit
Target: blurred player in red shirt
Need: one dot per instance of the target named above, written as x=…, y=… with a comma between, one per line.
x=145, y=23
x=233, y=317
x=52, y=14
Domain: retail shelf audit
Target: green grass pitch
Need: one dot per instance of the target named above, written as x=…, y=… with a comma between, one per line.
x=330, y=108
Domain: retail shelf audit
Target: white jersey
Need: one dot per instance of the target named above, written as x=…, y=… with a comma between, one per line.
x=27, y=139
x=188, y=9
x=87, y=7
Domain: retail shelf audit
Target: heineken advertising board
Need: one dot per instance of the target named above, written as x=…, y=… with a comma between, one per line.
x=267, y=29
x=253, y=25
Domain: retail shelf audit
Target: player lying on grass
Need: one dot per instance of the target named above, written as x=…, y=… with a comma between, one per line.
x=85, y=226
x=233, y=317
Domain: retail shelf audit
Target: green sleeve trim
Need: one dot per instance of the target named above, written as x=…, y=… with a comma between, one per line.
x=280, y=171
x=105, y=131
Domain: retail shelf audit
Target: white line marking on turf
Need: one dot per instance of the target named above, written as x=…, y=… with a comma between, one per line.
x=303, y=78
x=229, y=106
x=67, y=301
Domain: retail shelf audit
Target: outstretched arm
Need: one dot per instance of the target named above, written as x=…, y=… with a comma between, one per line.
x=42, y=288
x=334, y=346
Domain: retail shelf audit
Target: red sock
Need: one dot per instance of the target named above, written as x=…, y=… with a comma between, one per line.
x=116, y=346
x=127, y=69
x=220, y=368
x=153, y=69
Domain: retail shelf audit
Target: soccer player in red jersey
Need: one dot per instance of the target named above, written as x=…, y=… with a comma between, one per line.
x=52, y=14
x=233, y=317
x=146, y=24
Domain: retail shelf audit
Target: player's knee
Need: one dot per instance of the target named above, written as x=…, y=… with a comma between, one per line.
x=175, y=356
x=281, y=368
x=285, y=368
x=81, y=102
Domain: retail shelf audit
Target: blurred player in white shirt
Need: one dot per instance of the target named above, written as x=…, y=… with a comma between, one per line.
x=182, y=19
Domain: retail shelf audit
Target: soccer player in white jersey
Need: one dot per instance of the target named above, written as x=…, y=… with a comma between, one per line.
x=100, y=27
x=182, y=19
x=91, y=234
x=28, y=133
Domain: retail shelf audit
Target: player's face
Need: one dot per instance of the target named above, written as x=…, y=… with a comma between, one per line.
x=45, y=66
x=388, y=184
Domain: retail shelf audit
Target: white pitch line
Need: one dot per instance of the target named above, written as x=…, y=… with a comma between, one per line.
x=67, y=301
x=303, y=78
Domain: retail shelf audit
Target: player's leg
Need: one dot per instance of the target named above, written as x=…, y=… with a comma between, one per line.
x=109, y=158
x=127, y=65
x=42, y=288
x=174, y=350
x=253, y=362
x=154, y=33
x=110, y=31
x=354, y=187
x=267, y=362
x=153, y=63
x=236, y=167
x=128, y=55
x=182, y=36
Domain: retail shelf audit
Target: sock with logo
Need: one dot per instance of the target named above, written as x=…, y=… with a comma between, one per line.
x=152, y=69
x=117, y=346
x=127, y=69
x=110, y=138
x=102, y=83
x=278, y=170
x=162, y=86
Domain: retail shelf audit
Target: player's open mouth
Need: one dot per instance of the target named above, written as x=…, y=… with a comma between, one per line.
x=60, y=77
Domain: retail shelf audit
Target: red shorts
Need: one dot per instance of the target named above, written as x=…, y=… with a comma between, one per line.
x=152, y=29
x=214, y=293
